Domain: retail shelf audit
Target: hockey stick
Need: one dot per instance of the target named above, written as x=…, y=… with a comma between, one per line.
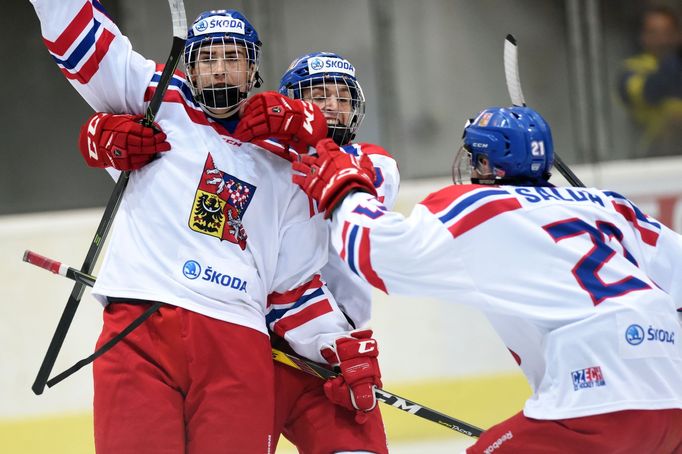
x=177, y=8
x=382, y=395
x=301, y=364
x=511, y=72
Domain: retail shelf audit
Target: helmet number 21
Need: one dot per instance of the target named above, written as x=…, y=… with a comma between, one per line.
x=537, y=148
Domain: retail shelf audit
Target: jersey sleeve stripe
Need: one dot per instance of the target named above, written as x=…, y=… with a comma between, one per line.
x=72, y=31
x=648, y=229
x=99, y=7
x=638, y=213
x=366, y=263
x=461, y=209
x=350, y=248
x=441, y=200
x=81, y=46
x=90, y=67
x=305, y=315
x=280, y=310
x=344, y=232
x=649, y=237
x=483, y=214
x=276, y=298
x=85, y=45
x=465, y=203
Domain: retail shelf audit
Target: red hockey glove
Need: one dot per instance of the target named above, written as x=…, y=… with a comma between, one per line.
x=119, y=141
x=271, y=115
x=356, y=356
x=331, y=175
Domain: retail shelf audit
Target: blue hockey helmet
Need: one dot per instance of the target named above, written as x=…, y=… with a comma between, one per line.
x=507, y=145
x=328, y=80
x=216, y=82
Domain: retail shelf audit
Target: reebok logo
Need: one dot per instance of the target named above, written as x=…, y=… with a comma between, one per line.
x=505, y=437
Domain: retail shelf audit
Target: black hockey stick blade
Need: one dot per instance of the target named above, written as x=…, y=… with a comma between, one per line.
x=382, y=395
x=177, y=8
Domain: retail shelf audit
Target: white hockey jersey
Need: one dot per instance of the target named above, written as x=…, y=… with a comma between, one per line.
x=581, y=285
x=213, y=225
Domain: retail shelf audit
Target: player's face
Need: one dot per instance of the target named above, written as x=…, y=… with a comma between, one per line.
x=464, y=170
x=221, y=65
x=481, y=169
x=659, y=34
x=334, y=99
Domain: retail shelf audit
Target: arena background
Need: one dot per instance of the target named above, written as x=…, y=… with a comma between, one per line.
x=426, y=67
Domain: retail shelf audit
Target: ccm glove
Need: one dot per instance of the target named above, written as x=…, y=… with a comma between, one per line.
x=120, y=141
x=272, y=115
x=356, y=357
x=332, y=174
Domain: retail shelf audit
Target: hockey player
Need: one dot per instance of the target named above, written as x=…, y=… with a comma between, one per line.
x=210, y=229
x=579, y=283
x=302, y=412
x=307, y=417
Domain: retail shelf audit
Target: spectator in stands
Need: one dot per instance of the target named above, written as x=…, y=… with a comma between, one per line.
x=650, y=83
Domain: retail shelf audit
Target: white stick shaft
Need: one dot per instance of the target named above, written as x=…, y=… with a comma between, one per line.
x=177, y=8
x=511, y=71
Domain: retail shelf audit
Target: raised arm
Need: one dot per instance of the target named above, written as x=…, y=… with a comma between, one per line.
x=93, y=55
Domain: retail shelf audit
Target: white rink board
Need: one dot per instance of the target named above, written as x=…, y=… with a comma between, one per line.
x=419, y=339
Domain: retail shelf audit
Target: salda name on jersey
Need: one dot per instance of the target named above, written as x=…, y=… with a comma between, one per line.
x=540, y=194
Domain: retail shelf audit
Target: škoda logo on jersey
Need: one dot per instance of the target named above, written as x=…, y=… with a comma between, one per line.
x=219, y=205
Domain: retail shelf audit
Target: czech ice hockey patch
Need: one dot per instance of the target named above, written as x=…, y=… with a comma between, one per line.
x=219, y=205
x=590, y=377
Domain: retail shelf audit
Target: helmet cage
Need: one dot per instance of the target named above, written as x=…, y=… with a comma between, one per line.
x=328, y=81
x=222, y=56
x=341, y=99
x=221, y=70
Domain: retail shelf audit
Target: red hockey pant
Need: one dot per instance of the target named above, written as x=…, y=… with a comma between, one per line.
x=316, y=425
x=622, y=432
x=182, y=383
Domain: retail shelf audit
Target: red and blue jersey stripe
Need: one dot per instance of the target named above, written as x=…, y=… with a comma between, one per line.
x=82, y=45
x=648, y=229
x=289, y=310
x=462, y=208
x=356, y=252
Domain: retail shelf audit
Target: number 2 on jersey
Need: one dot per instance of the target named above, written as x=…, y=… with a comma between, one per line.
x=587, y=269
